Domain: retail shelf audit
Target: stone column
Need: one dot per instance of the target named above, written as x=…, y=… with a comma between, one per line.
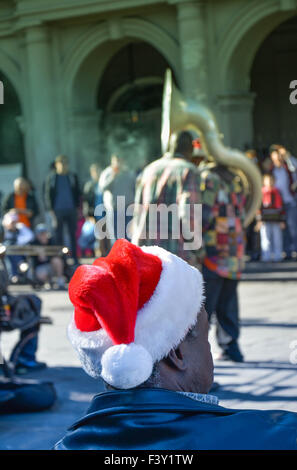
x=236, y=118
x=192, y=38
x=41, y=141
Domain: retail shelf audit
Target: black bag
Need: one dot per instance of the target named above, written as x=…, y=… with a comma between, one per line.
x=20, y=396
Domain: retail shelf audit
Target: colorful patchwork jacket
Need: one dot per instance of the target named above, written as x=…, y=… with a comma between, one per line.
x=223, y=203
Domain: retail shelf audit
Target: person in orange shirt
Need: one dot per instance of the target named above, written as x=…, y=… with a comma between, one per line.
x=22, y=202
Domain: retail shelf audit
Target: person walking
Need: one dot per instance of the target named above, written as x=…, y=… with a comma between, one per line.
x=223, y=204
x=117, y=180
x=62, y=196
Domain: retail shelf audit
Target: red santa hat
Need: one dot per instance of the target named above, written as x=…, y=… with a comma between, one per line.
x=130, y=309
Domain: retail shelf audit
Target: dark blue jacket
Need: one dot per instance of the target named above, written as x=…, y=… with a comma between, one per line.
x=50, y=189
x=160, y=419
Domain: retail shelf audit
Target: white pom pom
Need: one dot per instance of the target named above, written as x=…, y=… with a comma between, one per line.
x=126, y=365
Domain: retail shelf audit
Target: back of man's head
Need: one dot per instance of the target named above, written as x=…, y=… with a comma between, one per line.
x=144, y=323
x=184, y=145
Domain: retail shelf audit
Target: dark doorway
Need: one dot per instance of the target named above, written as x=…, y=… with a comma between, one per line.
x=12, y=148
x=130, y=96
x=274, y=67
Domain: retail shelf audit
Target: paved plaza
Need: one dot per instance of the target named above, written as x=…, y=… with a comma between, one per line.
x=266, y=380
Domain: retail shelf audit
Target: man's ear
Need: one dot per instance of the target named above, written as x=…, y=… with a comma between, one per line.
x=176, y=359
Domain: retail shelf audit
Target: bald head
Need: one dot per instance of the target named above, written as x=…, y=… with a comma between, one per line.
x=189, y=366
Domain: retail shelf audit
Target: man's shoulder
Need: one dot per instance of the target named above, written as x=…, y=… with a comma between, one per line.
x=106, y=171
x=177, y=165
x=51, y=175
x=294, y=160
x=8, y=197
x=182, y=423
x=105, y=174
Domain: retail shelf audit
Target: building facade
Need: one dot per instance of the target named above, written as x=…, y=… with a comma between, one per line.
x=81, y=78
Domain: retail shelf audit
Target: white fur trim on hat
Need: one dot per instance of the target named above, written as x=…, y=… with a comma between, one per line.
x=126, y=365
x=89, y=345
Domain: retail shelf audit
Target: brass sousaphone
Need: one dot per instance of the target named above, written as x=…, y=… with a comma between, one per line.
x=179, y=114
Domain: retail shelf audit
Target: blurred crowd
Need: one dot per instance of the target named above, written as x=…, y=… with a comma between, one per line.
x=274, y=229
x=68, y=217
x=68, y=211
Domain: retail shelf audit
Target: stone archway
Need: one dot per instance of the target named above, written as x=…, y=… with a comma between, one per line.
x=274, y=67
x=84, y=68
x=11, y=71
x=11, y=138
x=238, y=48
x=106, y=39
x=130, y=99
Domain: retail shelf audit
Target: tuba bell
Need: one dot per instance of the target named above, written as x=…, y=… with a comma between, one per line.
x=179, y=114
